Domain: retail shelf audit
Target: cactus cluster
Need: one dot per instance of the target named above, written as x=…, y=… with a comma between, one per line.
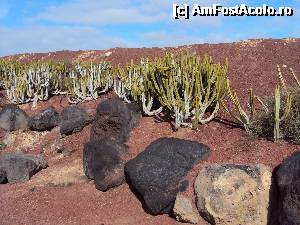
x=89, y=81
x=184, y=85
x=188, y=87
x=26, y=83
x=35, y=82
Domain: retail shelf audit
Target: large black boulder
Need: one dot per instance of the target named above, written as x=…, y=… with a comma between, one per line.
x=114, y=120
x=73, y=119
x=45, y=120
x=21, y=167
x=13, y=118
x=158, y=173
x=102, y=162
x=288, y=182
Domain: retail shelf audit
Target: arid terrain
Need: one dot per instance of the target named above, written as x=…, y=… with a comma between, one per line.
x=62, y=195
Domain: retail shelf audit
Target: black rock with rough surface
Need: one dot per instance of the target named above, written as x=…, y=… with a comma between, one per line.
x=73, y=119
x=45, y=120
x=114, y=120
x=102, y=162
x=288, y=182
x=3, y=177
x=13, y=118
x=158, y=173
x=21, y=167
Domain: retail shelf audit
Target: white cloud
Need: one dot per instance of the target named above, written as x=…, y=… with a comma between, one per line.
x=44, y=39
x=99, y=12
x=76, y=26
x=121, y=12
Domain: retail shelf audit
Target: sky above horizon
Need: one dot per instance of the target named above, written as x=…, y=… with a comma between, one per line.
x=52, y=25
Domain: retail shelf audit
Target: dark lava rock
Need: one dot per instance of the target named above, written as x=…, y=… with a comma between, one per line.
x=114, y=120
x=45, y=120
x=73, y=119
x=102, y=162
x=158, y=173
x=288, y=182
x=3, y=177
x=13, y=118
x=21, y=167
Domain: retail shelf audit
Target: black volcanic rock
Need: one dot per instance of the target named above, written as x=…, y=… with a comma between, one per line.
x=158, y=173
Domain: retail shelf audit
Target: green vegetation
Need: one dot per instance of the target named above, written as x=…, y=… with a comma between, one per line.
x=241, y=115
x=184, y=85
x=277, y=118
x=191, y=89
x=35, y=82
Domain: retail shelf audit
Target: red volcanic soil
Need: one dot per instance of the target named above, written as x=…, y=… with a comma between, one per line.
x=61, y=195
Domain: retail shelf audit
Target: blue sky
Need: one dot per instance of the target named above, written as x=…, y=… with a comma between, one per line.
x=44, y=25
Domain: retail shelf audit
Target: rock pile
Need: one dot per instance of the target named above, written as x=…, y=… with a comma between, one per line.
x=102, y=156
x=226, y=194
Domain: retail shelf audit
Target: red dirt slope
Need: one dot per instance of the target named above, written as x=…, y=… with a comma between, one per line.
x=61, y=195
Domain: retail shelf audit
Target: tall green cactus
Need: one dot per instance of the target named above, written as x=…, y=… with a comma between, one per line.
x=277, y=117
x=189, y=87
x=243, y=118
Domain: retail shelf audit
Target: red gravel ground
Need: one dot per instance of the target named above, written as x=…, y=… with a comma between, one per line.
x=251, y=64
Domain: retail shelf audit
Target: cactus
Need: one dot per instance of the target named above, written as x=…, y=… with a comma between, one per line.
x=243, y=118
x=61, y=83
x=89, y=81
x=25, y=83
x=122, y=84
x=295, y=77
x=277, y=106
x=37, y=81
x=132, y=84
x=187, y=87
x=282, y=80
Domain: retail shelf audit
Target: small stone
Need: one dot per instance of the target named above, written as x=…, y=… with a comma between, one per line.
x=13, y=118
x=21, y=167
x=74, y=119
x=45, y=120
x=9, y=139
x=184, y=210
